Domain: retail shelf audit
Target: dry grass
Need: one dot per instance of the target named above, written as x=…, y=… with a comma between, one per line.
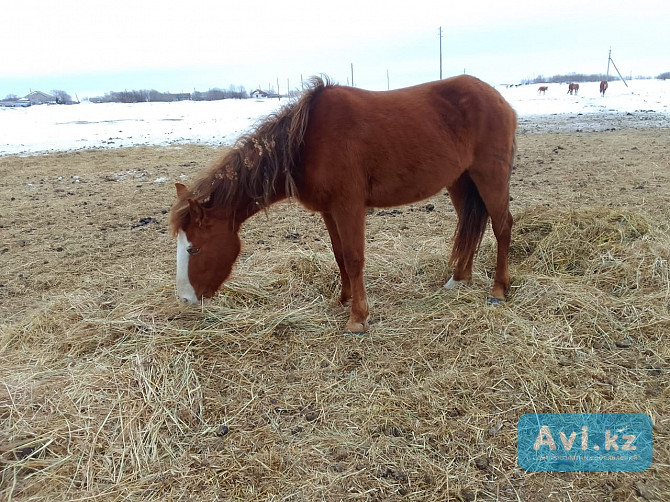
x=111, y=390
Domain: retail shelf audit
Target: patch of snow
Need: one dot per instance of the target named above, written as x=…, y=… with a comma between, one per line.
x=45, y=129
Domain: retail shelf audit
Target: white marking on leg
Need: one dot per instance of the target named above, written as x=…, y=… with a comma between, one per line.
x=452, y=284
x=184, y=289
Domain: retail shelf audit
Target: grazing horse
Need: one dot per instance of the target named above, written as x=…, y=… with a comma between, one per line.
x=603, y=87
x=542, y=89
x=573, y=87
x=339, y=150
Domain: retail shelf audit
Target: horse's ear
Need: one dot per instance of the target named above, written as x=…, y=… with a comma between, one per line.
x=196, y=211
x=181, y=190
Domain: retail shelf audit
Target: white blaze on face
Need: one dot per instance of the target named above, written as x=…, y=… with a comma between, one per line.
x=184, y=289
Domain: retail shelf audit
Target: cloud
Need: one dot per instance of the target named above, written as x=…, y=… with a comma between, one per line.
x=247, y=41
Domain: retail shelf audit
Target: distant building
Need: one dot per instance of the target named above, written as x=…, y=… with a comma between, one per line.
x=15, y=103
x=41, y=98
x=259, y=94
x=263, y=94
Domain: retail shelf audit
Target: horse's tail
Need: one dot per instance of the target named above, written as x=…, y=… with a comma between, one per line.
x=472, y=220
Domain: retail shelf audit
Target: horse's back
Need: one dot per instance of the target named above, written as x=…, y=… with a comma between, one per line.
x=404, y=145
x=459, y=109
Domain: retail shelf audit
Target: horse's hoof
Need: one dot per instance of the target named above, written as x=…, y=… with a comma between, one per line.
x=355, y=328
x=356, y=333
x=495, y=301
x=453, y=284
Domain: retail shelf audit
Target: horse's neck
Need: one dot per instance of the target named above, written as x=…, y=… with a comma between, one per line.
x=246, y=207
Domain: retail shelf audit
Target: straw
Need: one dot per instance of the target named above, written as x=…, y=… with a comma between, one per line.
x=112, y=390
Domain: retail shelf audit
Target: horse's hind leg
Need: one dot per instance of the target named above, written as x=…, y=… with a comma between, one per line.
x=502, y=228
x=462, y=272
x=491, y=176
x=345, y=295
x=493, y=187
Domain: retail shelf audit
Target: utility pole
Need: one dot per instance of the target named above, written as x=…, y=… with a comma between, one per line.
x=617, y=69
x=352, y=75
x=440, y=52
x=609, y=58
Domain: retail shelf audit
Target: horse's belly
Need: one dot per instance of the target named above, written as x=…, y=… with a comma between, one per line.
x=400, y=193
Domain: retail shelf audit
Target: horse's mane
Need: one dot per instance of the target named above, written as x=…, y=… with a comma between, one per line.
x=251, y=169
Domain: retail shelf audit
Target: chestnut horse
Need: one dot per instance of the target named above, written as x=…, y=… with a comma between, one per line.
x=573, y=88
x=339, y=150
x=542, y=89
x=603, y=87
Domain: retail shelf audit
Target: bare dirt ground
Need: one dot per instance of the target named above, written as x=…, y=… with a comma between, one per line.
x=111, y=390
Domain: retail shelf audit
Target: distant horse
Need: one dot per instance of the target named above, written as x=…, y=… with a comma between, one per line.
x=603, y=87
x=339, y=150
x=542, y=89
x=573, y=88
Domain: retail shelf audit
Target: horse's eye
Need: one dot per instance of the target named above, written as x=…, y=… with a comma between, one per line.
x=193, y=251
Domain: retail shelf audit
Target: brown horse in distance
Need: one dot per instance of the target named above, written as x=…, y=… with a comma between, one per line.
x=603, y=87
x=573, y=88
x=339, y=150
x=542, y=89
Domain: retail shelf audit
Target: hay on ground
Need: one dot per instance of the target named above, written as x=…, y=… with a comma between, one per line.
x=111, y=390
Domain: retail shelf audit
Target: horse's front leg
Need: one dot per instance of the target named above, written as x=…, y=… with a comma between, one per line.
x=350, y=224
x=345, y=295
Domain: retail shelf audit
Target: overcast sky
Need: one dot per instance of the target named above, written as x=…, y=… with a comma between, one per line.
x=89, y=47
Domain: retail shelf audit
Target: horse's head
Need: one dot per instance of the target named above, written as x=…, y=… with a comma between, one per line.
x=207, y=246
